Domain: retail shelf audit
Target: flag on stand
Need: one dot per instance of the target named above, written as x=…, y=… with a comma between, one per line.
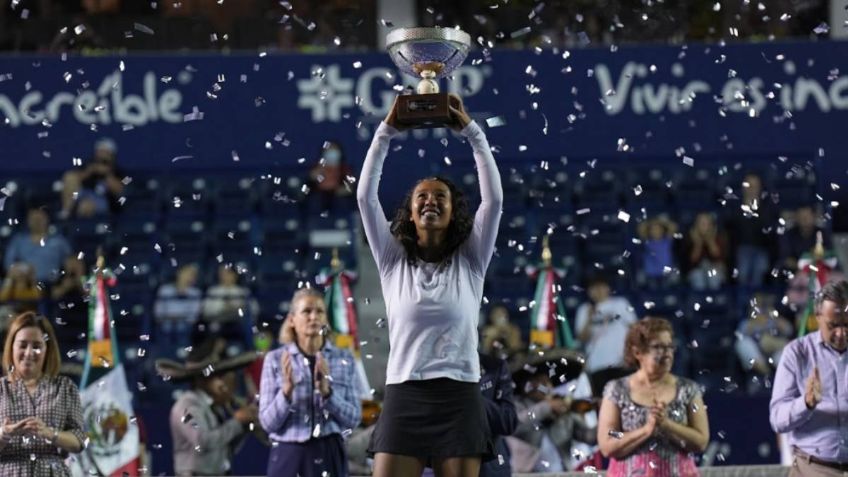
x=818, y=266
x=113, y=448
x=548, y=322
x=341, y=315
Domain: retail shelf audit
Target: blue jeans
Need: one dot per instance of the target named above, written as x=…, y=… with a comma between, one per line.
x=752, y=263
x=706, y=276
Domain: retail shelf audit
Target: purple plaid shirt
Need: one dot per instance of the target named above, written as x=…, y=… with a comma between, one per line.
x=308, y=414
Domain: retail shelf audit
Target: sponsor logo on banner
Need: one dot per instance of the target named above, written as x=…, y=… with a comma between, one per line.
x=631, y=93
x=328, y=95
x=109, y=103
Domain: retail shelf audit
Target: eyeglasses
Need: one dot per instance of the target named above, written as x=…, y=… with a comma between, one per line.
x=659, y=349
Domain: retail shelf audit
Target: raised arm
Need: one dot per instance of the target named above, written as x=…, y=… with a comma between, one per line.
x=488, y=216
x=373, y=217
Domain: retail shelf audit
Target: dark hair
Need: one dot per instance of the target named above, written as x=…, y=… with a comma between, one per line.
x=836, y=292
x=639, y=336
x=459, y=228
x=598, y=278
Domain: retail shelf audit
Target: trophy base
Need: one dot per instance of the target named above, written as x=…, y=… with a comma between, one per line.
x=424, y=110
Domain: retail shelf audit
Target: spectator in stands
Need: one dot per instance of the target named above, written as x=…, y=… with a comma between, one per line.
x=205, y=435
x=705, y=254
x=760, y=338
x=801, y=238
x=751, y=228
x=38, y=247
x=328, y=182
x=651, y=421
x=19, y=293
x=806, y=401
x=548, y=422
x=227, y=304
x=500, y=337
x=178, y=304
x=602, y=325
x=308, y=395
x=69, y=296
x=94, y=189
x=657, y=236
x=41, y=417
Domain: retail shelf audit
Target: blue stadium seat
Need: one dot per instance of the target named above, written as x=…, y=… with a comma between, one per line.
x=551, y=190
x=648, y=187
x=188, y=198
x=597, y=188
x=235, y=197
x=794, y=188
x=695, y=188
x=143, y=200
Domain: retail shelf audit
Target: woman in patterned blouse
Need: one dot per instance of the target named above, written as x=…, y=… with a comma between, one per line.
x=40, y=411
x=651, y=421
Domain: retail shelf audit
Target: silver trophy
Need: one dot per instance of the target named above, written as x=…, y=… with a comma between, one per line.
x=428, y=53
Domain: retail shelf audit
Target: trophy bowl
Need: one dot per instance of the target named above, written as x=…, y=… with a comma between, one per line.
x=429, y=54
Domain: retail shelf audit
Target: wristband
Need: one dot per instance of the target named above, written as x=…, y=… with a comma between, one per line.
x=55, y=436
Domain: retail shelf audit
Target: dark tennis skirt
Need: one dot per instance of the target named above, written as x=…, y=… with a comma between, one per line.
x=434, y=418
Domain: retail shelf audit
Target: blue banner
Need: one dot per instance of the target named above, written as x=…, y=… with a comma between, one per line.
x=258, y=112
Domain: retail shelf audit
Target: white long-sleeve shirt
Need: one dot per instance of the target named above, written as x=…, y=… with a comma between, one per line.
x=433, y=309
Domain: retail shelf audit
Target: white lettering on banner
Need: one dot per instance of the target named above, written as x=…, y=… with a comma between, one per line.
x=737, y=95
x=326, y=93
x=108, y=104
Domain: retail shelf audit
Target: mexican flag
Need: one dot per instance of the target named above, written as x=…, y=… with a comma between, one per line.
x=341, y=315
x=548, y=322
x=818, y=265
x=114, y=447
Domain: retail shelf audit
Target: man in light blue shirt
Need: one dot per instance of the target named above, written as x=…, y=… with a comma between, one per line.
x=809, y=402
x=45, y=252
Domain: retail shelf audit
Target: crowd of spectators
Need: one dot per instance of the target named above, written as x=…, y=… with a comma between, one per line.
x=117, y=25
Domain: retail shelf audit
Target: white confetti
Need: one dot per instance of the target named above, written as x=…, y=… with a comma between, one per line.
x=822, y=29
x=495, y=121
x=143, y=28
x=194, y=115
x=521, y=32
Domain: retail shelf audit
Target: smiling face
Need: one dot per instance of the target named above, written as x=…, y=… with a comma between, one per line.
x=28, y=352
x=431, y=206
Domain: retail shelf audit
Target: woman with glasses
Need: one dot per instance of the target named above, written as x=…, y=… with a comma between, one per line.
x=652, y=421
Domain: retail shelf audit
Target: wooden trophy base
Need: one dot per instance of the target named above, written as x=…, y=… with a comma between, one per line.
x=424, y=110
